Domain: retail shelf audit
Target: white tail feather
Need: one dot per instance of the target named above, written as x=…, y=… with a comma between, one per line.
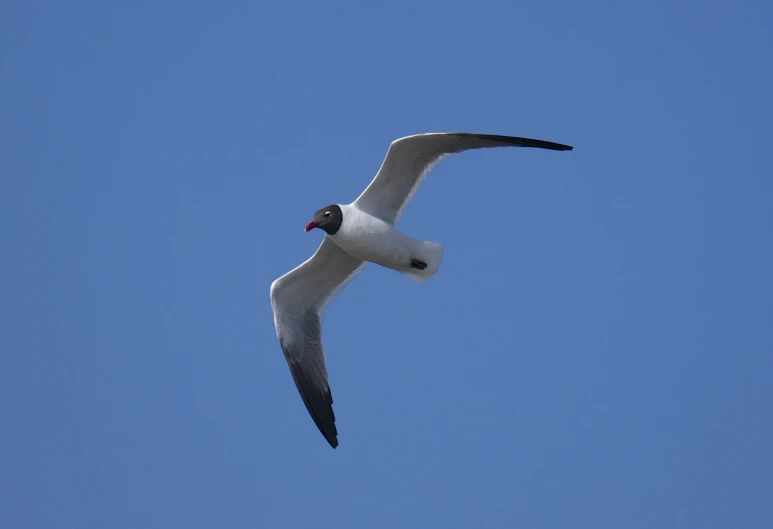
x=429, y=252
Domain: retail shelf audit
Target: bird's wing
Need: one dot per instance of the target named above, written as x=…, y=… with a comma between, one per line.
x=409, y=160
x=299, y=299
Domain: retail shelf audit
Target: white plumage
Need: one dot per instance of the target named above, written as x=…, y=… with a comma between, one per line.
x=357, y=233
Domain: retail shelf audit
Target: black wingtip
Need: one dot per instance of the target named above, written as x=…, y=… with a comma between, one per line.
x=319, y=403
x=525, y=142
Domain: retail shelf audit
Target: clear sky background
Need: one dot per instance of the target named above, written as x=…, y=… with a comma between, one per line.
x=595, y=351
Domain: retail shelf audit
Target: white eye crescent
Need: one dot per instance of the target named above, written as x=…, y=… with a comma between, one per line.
x=327, y=213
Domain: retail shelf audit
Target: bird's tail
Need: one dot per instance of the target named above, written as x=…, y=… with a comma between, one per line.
x=424, y=253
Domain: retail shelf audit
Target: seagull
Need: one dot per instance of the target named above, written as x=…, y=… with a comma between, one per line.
x=356, y=234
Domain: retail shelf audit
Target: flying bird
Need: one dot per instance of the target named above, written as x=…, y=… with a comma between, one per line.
x=356, y=234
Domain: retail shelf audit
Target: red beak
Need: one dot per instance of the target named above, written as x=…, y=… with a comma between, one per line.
x=310, y=226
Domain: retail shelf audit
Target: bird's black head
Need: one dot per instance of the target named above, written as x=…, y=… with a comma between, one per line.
x=328, y=219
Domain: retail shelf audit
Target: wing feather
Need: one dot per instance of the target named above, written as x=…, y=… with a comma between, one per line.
x=410, y=159
x=299, y=299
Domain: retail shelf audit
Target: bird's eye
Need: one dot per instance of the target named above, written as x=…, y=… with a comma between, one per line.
x=327, y=213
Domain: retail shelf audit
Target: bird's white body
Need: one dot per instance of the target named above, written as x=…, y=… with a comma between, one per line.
x=373, y=240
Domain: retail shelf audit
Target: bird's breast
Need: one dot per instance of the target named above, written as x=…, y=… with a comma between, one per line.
x=373, y=240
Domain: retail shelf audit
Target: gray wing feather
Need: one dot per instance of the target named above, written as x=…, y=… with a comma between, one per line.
x=409, y=160
x=299, y=299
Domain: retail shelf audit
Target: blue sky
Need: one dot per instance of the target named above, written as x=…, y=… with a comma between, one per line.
x=595, y=351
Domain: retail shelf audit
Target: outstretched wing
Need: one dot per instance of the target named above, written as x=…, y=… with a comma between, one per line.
x=409, y=160
x=299, y=299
